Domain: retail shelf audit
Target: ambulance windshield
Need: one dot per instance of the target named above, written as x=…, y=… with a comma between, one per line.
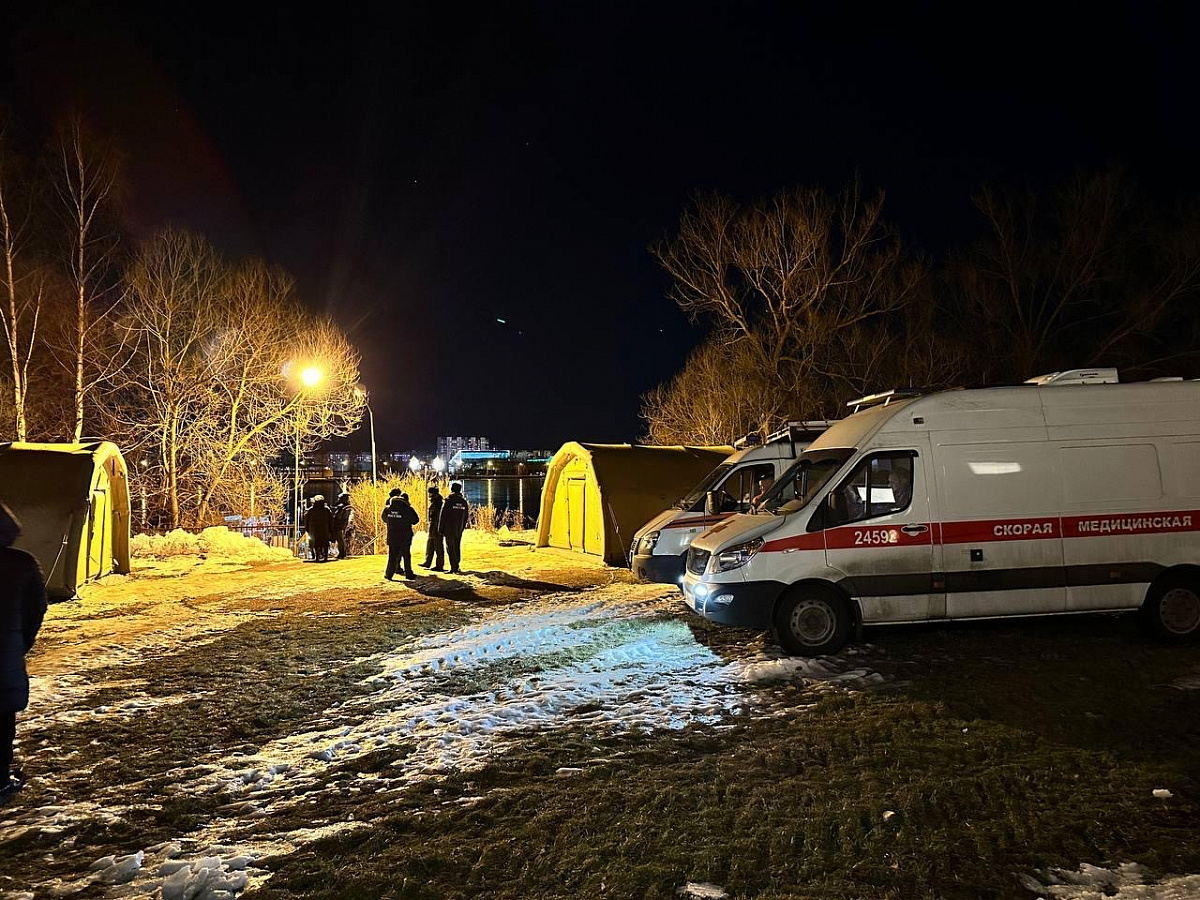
x=694, y=501
x=804, y=480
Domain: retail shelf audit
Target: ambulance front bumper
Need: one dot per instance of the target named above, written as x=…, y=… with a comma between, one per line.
x=744, y=604
x=663, y=569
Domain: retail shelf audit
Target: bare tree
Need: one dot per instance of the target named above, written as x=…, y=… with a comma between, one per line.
x=161, y=395
x=1093, y=275
x=87, y=180
x=718, y=396
x=263, y=402
x=22, y=291
x=215, y=384
x=809, y=297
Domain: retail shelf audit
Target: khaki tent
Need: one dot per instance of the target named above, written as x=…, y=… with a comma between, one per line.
x=597, y=495
x=73, y=503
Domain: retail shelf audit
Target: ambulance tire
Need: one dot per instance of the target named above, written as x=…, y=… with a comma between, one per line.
x=1171, y=612
x=813, y=621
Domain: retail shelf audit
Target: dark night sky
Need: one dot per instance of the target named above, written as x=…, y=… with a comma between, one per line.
x=423, y=173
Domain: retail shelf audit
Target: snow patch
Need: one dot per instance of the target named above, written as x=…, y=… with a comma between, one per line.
x=214, y=542
x=702, y=890
x=1127, y=882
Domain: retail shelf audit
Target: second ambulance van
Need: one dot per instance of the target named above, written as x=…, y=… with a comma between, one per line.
x=1070, y=494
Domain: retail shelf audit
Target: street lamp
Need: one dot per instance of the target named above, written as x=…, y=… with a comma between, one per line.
x=310, y=377
x=361, y=393
x=415, y=465
x=439, y=465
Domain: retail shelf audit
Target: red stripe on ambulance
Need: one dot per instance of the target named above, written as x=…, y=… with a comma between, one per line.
x=986, y=531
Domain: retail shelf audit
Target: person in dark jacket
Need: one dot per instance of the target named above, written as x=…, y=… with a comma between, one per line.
x=455, y=512
x=343, y=525
x=434, y=544
x=22, y=607
x=400, y=517
x=318, y=522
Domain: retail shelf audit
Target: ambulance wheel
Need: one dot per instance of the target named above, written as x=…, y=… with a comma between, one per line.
x=812, y=622
x=1171, y=612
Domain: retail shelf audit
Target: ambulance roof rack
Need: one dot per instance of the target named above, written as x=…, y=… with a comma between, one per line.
x=807, y=430
x=1100, y=375
x=884, y=398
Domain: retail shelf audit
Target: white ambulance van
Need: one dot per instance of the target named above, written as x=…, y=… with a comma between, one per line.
x=660, y=546
x=1070, y=494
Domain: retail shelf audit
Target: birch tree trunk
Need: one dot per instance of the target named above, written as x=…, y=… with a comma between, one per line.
x=17, y=310
x=87, y=181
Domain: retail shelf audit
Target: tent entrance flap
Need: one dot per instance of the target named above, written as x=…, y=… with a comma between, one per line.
x=597, y=495
x=100, y=536
x=577, y=514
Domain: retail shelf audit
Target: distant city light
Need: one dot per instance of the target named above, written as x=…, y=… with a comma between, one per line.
x=502, y=321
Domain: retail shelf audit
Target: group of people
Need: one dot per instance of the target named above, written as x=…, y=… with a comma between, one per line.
x=448, y=518
x=325, y=525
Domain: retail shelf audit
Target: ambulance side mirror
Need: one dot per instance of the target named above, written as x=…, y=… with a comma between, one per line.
x=711, y=507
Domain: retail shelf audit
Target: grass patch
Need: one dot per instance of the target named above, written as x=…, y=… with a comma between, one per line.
x=779, y=807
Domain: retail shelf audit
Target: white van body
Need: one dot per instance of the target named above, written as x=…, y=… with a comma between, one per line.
x=1047, y=498
x=660, y=546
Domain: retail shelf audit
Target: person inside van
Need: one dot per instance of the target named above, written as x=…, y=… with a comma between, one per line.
x=900, y=481
x=765, y=483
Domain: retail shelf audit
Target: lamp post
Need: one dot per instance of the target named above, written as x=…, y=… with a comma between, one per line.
x=361, y=391
x=310, y=377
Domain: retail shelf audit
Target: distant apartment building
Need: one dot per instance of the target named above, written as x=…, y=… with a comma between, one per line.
x=521, y=463
x=448, y=446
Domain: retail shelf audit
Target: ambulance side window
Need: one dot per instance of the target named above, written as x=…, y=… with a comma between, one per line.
x=881, y=485
x=740, y=488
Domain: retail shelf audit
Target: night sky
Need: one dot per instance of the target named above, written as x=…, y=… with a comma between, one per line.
x=429, y=169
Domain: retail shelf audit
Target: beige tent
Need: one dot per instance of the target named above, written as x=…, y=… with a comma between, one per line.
x=597, y=495
x=73, y=503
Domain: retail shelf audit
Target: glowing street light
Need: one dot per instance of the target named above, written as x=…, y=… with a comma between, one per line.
x=311, y=376
x=414, y=464
x=439, y=465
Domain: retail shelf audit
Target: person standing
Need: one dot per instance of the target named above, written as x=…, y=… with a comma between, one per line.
x=400, y=517
x=434, y=545
x=22, y=607
x=455, y=512
x=318, y=522
x=343, y=525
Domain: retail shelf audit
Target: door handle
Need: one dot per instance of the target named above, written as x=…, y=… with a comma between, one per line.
x=915, y=529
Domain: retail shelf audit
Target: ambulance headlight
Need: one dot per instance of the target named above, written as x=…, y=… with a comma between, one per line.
x=738, y=555
x=648, y=542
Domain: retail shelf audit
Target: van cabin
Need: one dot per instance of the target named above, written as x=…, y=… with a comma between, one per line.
x=660, y=546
